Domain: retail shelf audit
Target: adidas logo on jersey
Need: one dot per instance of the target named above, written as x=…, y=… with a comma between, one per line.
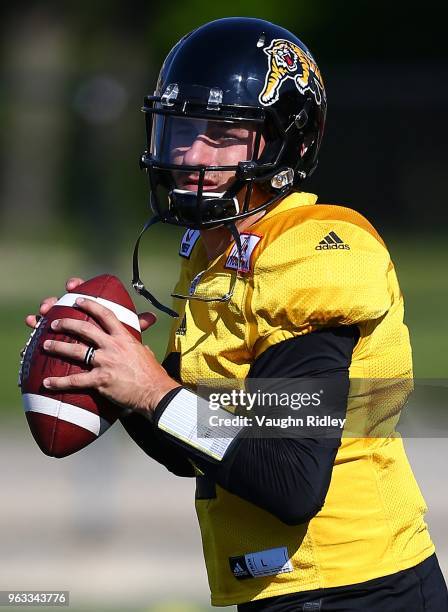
x=239, y=567
x=330, y=242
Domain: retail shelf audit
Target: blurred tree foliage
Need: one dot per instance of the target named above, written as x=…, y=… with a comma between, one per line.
x=74, y=75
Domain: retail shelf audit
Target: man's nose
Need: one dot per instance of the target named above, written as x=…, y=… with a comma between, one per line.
x=200, y=153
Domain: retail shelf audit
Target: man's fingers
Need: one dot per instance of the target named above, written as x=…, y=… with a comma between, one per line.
x=89, y=332
x=73, y=282
x=49, y=302
x=84, y=380
x=105, y=317
x=31, y=321
x=146, y=320
x=46, y=305
x=68, y=350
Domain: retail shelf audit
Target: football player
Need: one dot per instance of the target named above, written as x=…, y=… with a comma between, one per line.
x=272, y=286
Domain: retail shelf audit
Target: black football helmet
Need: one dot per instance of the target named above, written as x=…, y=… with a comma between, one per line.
x=231, y=74
x=239, y=72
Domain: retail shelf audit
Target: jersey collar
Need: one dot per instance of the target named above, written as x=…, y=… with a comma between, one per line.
x=294, y=200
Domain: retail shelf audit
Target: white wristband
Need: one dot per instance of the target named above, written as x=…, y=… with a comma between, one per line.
x=187, y=418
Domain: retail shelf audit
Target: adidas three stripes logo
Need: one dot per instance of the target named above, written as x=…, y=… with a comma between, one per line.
x=330, y=242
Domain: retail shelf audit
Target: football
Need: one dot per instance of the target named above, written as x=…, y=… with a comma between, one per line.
x=65, y=422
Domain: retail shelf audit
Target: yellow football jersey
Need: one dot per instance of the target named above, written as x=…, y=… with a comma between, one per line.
x=308, y=266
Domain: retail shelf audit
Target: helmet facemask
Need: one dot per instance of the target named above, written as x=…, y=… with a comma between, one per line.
x=195, y=195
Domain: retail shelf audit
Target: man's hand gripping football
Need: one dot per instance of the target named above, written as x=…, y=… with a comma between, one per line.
x=123, y=370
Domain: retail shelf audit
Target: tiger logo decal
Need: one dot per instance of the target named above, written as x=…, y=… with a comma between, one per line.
x=288, y=61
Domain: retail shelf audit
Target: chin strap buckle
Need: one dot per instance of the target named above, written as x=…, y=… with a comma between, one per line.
x=138, y=287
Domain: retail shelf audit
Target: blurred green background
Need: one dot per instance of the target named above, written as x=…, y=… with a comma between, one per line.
x=72, y=196
x=73, y=77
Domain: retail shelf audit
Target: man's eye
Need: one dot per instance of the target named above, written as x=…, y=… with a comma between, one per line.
x=236, y=135
x=228, y=137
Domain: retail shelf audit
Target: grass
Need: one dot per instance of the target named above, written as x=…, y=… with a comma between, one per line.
x=421, y=269
x=41, y=270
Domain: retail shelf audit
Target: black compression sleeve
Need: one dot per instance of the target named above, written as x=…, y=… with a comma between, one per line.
x=289, y=477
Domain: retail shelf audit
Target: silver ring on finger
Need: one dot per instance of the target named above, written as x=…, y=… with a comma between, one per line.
x=89, y=356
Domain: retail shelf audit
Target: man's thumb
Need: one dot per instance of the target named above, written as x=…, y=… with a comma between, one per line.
x=146, y=319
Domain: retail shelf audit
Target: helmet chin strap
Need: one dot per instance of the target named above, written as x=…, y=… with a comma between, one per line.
x=236, y=236
x=140, y=288
x=136, y=280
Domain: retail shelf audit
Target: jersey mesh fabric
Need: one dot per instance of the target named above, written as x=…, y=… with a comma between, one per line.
x=372, y=522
